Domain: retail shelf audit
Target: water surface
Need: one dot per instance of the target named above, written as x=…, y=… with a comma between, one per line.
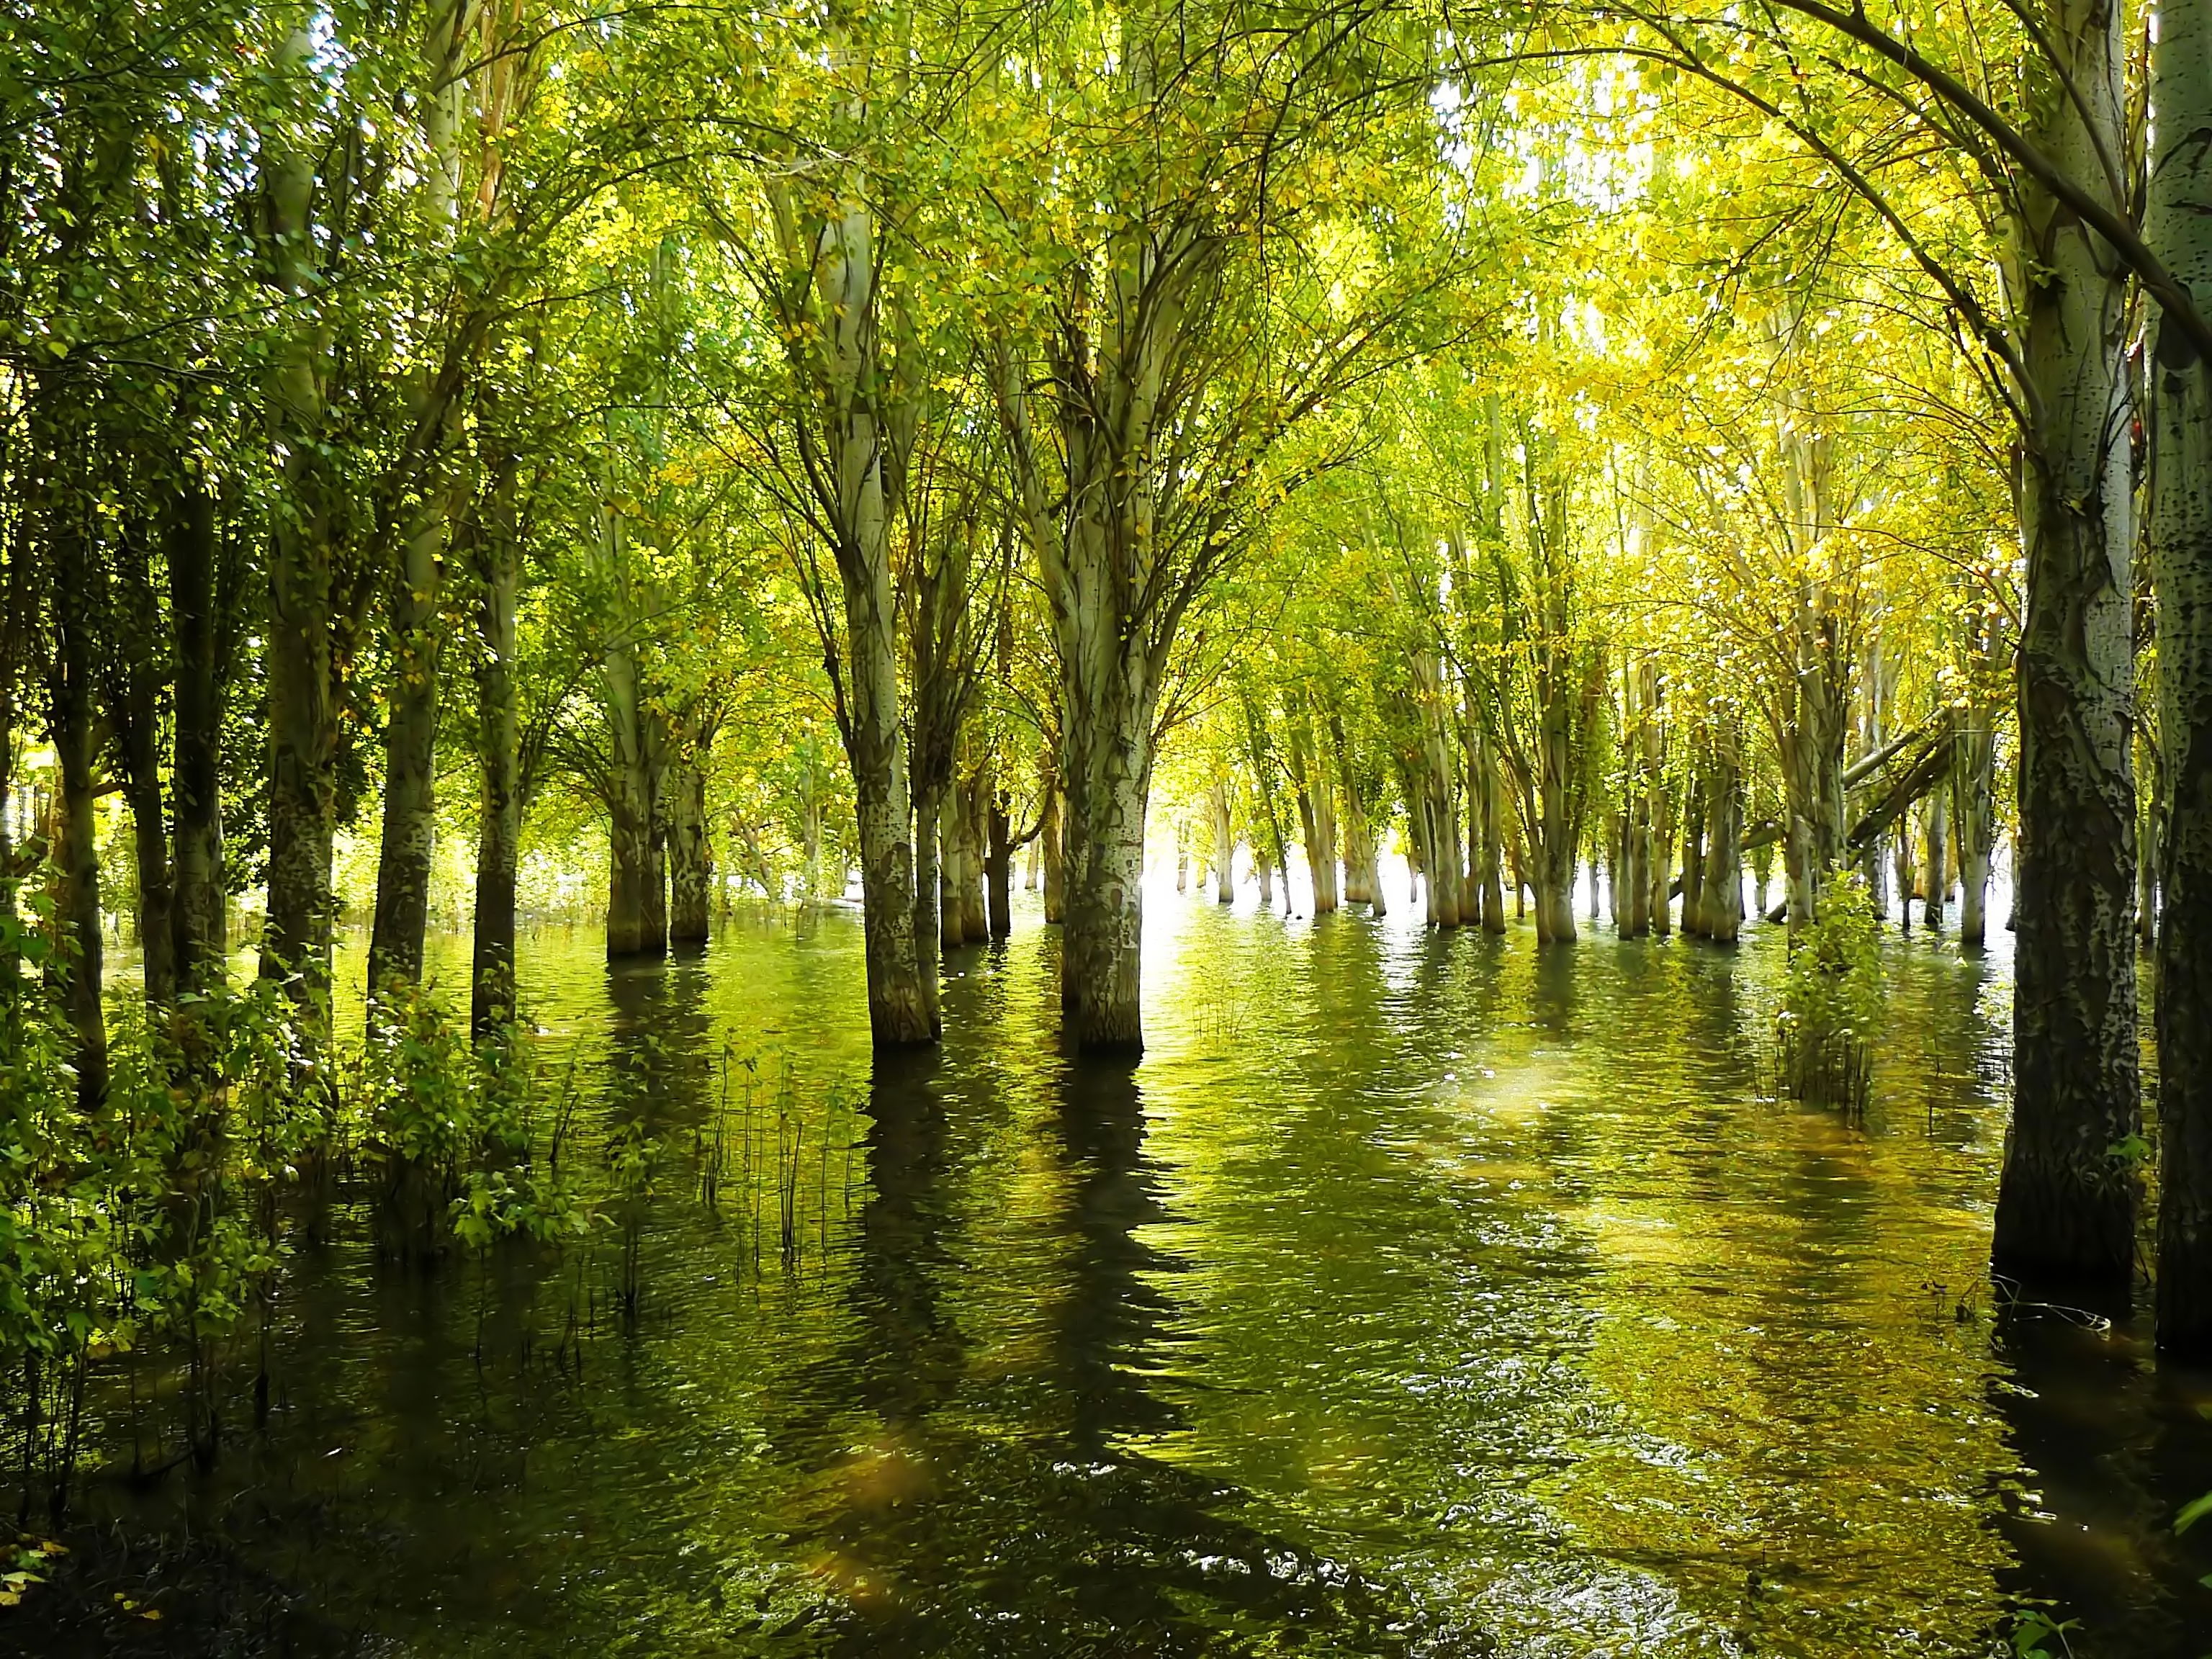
x=1415, y=1294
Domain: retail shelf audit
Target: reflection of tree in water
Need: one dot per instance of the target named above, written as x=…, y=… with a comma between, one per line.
x=2113, y=1446
x=1008, y=1514
x=657, y=1059
x=656, y=1075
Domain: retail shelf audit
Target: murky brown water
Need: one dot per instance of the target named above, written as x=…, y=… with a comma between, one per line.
x=1415, y=1294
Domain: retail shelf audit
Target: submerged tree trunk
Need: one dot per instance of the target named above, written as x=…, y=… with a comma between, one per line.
x=637, y=909
x=1936, y=825
x=1694, y=807
x=1316, y=815
x=630, y=869
x=2180, y=545
x=1225, y=843
x=1908, y=874
x=1109, y=773
x=1722, y=886
x=1363, y=877
x=1487, y=808
x=2066, y=1201
x=1973, y=786
x=829, y=249
x=998, y=868
x=975, y=820
x=928, y=897
x=952, y=846
x=691, y=858
x=1055, y=854
x=1657, y=837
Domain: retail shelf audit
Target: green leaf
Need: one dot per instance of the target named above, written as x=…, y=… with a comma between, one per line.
x=2192, y=1513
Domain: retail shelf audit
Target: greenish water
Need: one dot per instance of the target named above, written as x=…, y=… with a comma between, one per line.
x=1416, y=1294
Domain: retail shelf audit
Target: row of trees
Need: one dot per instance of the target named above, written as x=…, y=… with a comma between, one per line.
x=1548, y=442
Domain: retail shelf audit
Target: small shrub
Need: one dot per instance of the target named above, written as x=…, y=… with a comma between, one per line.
x=1832, y=1000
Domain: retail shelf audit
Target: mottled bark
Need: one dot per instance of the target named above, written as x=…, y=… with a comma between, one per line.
x=1936, y=824
x=1722, y=888
x=1316, y=814
x=1110, y=774
x=690, y=856
x=826, y=227
x=1694, y=922
x=2180, y=546
x=928, y=903
x=2067, y=1200
x=974, y=825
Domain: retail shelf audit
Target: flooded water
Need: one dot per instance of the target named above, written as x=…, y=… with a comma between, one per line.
x=1415, y=1294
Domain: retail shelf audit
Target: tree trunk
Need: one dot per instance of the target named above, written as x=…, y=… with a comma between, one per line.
x=1721, y=891
x=637, y=909
x=1488, y=808
x=1052, y=838
x=928, y=902
x=1108, y=770
x=498, y=550
x=303, y=747
x=197, y=916
x=1657, y=836
x=2066, y=1203
x=1316, y=815
x=1936, y=824
x=2180, y=546
x=1973, y=787
x=655, y=911
x=409, y=841
x=691, y=858
x=975, y=818
x=1908, y=875
x=2149, y=830
x=71, y=674
x=1695, y=922
x=138, y=736
x=951, y=862
x=1225, y=844
x=998, y=869
x=630, y=871
x=835, y=340
x=302, y=583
